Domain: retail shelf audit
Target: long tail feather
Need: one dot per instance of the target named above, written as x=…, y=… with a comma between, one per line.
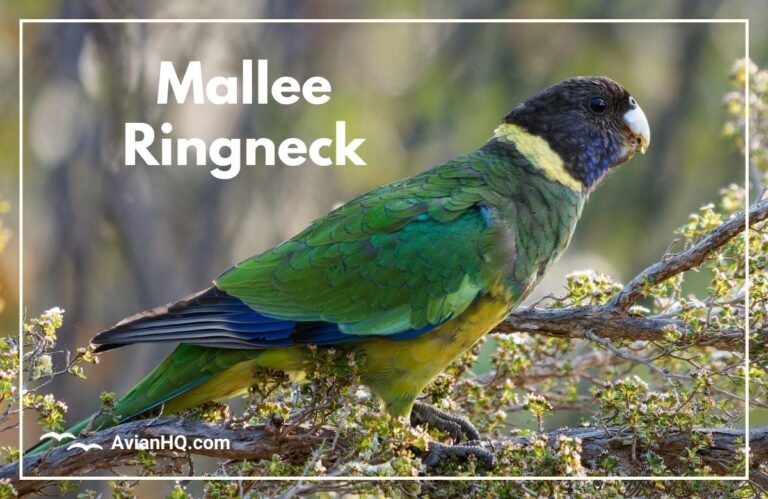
x=184, y=369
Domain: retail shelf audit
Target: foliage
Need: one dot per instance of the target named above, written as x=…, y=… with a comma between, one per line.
x=758, y=236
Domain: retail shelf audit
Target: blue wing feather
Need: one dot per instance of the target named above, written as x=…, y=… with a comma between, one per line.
x=216, y=319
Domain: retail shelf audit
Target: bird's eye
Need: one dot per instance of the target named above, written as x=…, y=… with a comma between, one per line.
x=597, y=105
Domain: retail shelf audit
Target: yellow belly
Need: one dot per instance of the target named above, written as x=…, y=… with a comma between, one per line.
x=397, y=371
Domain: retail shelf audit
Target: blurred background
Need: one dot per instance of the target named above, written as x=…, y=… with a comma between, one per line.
x=102, y=240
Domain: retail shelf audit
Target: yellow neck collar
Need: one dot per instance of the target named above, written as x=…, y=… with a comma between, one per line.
x=539, y=153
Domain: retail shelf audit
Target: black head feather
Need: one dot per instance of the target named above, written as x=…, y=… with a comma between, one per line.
x=583, y=120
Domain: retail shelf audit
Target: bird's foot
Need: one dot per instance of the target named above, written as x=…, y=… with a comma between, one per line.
x=455, y=426
x=437, y=452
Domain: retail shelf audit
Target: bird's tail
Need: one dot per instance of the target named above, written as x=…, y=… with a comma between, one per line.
x=222, y=342
x=190, y=376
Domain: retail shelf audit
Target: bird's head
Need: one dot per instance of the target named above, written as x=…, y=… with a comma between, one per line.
x=592, y=123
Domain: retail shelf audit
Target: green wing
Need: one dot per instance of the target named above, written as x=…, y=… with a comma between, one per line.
x=402, y=257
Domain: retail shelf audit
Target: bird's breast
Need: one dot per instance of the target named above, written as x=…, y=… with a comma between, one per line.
x=536, y=227
x=420, y=359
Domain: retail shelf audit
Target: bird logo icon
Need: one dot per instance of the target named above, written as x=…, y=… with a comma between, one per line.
x=77, y=445
x=56, y=436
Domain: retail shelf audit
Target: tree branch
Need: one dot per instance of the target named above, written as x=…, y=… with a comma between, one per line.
x=296, y=444
x=613, y=320
x=688, y=259
x=607, y=322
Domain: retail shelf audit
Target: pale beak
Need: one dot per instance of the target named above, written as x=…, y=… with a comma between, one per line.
x=638, y=124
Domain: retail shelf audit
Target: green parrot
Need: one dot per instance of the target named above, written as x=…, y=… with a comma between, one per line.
x=410, y=274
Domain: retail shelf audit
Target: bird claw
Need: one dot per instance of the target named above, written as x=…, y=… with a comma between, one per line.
x=455, y=426
x=437, y=452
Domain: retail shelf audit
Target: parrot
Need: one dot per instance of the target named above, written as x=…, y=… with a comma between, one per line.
x=409, y=275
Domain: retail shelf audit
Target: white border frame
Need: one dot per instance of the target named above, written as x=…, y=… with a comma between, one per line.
x=744, y=22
